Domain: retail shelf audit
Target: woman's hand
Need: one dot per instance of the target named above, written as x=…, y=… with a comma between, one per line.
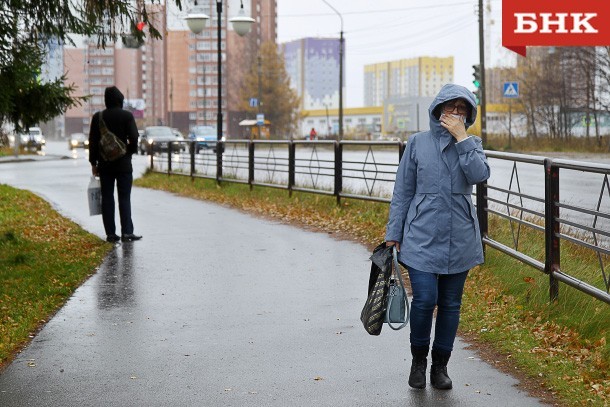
x=95, y=171
x=392, y=243
x=455, y=125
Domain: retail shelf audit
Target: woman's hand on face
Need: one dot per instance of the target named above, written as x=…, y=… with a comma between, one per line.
x=392, y=243
x=455, y=126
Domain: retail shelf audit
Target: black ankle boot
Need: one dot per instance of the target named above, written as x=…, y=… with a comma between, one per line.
x=417, y=378
x=438, y=371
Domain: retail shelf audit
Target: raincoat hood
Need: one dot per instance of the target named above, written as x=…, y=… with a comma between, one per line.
x=447, y=93
x=113, y=97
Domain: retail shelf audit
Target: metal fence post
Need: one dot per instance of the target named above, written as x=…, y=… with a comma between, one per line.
x=169, y=158
x=338, y=170
x=192, y=155
x=482, y=214
x=219, y=148
x=251, y=163
x=551, y=226
x=401, y=150
x=291, y=166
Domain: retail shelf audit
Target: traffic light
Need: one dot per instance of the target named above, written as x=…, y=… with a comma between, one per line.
x=476, y=74
x=136, y=38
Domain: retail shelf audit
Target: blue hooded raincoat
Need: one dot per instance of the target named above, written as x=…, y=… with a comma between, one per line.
x=431, y=213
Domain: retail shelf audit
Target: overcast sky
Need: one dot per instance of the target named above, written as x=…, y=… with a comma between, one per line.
x=385, y=30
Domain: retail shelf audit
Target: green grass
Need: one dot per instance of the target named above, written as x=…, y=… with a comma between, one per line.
x=563, y=346
x=6, y=151
x=565, y=343
x=43, y=259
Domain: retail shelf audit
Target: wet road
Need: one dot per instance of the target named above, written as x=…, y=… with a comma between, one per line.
x=217, y=308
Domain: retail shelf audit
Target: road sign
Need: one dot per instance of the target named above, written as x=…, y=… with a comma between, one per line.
x=253, y=102
x=260, y=119
x=511, y=90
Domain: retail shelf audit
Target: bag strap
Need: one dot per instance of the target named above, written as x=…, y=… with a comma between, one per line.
x=102, y=122
x=396, y=270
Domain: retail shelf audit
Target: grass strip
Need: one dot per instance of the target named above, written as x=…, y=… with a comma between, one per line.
x=562, y=346
x=44, y=257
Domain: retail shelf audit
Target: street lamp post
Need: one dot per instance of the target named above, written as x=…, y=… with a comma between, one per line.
x=341, y=45
x=196, y=21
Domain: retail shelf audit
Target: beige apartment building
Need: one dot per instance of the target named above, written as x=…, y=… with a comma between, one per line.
x=413, y=77
x=91, y=70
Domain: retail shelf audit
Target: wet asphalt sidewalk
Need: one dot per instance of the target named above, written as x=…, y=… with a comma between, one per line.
x=214, y=307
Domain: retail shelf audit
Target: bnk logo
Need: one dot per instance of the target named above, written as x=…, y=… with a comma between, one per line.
x=554, y=23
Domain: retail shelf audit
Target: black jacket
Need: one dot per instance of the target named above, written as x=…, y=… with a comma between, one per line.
x=120, y=122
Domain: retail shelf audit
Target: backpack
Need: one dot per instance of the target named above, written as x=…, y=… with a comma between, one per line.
x=111, y=147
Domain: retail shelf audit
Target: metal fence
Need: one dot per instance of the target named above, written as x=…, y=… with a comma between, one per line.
x=347, y=169
x=366, y=170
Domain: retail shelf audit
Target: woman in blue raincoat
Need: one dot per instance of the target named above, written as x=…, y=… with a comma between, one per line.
x=434, y=226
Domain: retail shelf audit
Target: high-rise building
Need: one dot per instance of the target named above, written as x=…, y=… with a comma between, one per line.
x=154, y=70
x=193, y=65
x=52, y=70
x=413, y=77
x=313, y=67
x=91, y=69
x=175, y=78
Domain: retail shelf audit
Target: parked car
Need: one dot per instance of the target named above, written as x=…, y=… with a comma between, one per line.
x=206, y=138
x=180, y=136
x=33, y=140
x=157, y=138
x=78, y=140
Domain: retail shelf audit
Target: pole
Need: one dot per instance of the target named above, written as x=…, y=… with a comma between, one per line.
x=483, y=84
x=341, y=42
x=260, y=92
x=327, y=121
x=219, y=115
x=510, y=123
x=171, y=102
x=205, y=102
x=551, y=228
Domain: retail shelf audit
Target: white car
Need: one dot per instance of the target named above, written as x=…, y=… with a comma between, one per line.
x=33, y=140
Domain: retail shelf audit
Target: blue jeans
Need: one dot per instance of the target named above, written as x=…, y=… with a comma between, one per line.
x=123, y=186
x=443, y=291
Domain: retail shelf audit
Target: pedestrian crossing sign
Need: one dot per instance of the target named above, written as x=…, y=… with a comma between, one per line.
x=511, y=90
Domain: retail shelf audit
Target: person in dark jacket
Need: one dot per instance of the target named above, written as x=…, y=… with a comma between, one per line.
x=434, y=226
x=123, y=125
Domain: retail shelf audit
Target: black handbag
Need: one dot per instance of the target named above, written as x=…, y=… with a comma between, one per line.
x=374, y=311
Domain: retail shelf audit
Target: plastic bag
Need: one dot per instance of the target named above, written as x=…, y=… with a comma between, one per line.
x=94, y=194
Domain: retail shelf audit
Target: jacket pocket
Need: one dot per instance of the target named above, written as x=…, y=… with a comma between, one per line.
x=471, y=213
x=414, y=209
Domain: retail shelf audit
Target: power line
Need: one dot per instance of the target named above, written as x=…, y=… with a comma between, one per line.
x=393, y=43
x=449, y=31
x=385, y=26
x=376, y=11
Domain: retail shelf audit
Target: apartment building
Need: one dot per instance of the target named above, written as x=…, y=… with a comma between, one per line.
x=313, y=67
x=173, y=80
x=192, y=65
x=91, y=69
x=413, y=77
